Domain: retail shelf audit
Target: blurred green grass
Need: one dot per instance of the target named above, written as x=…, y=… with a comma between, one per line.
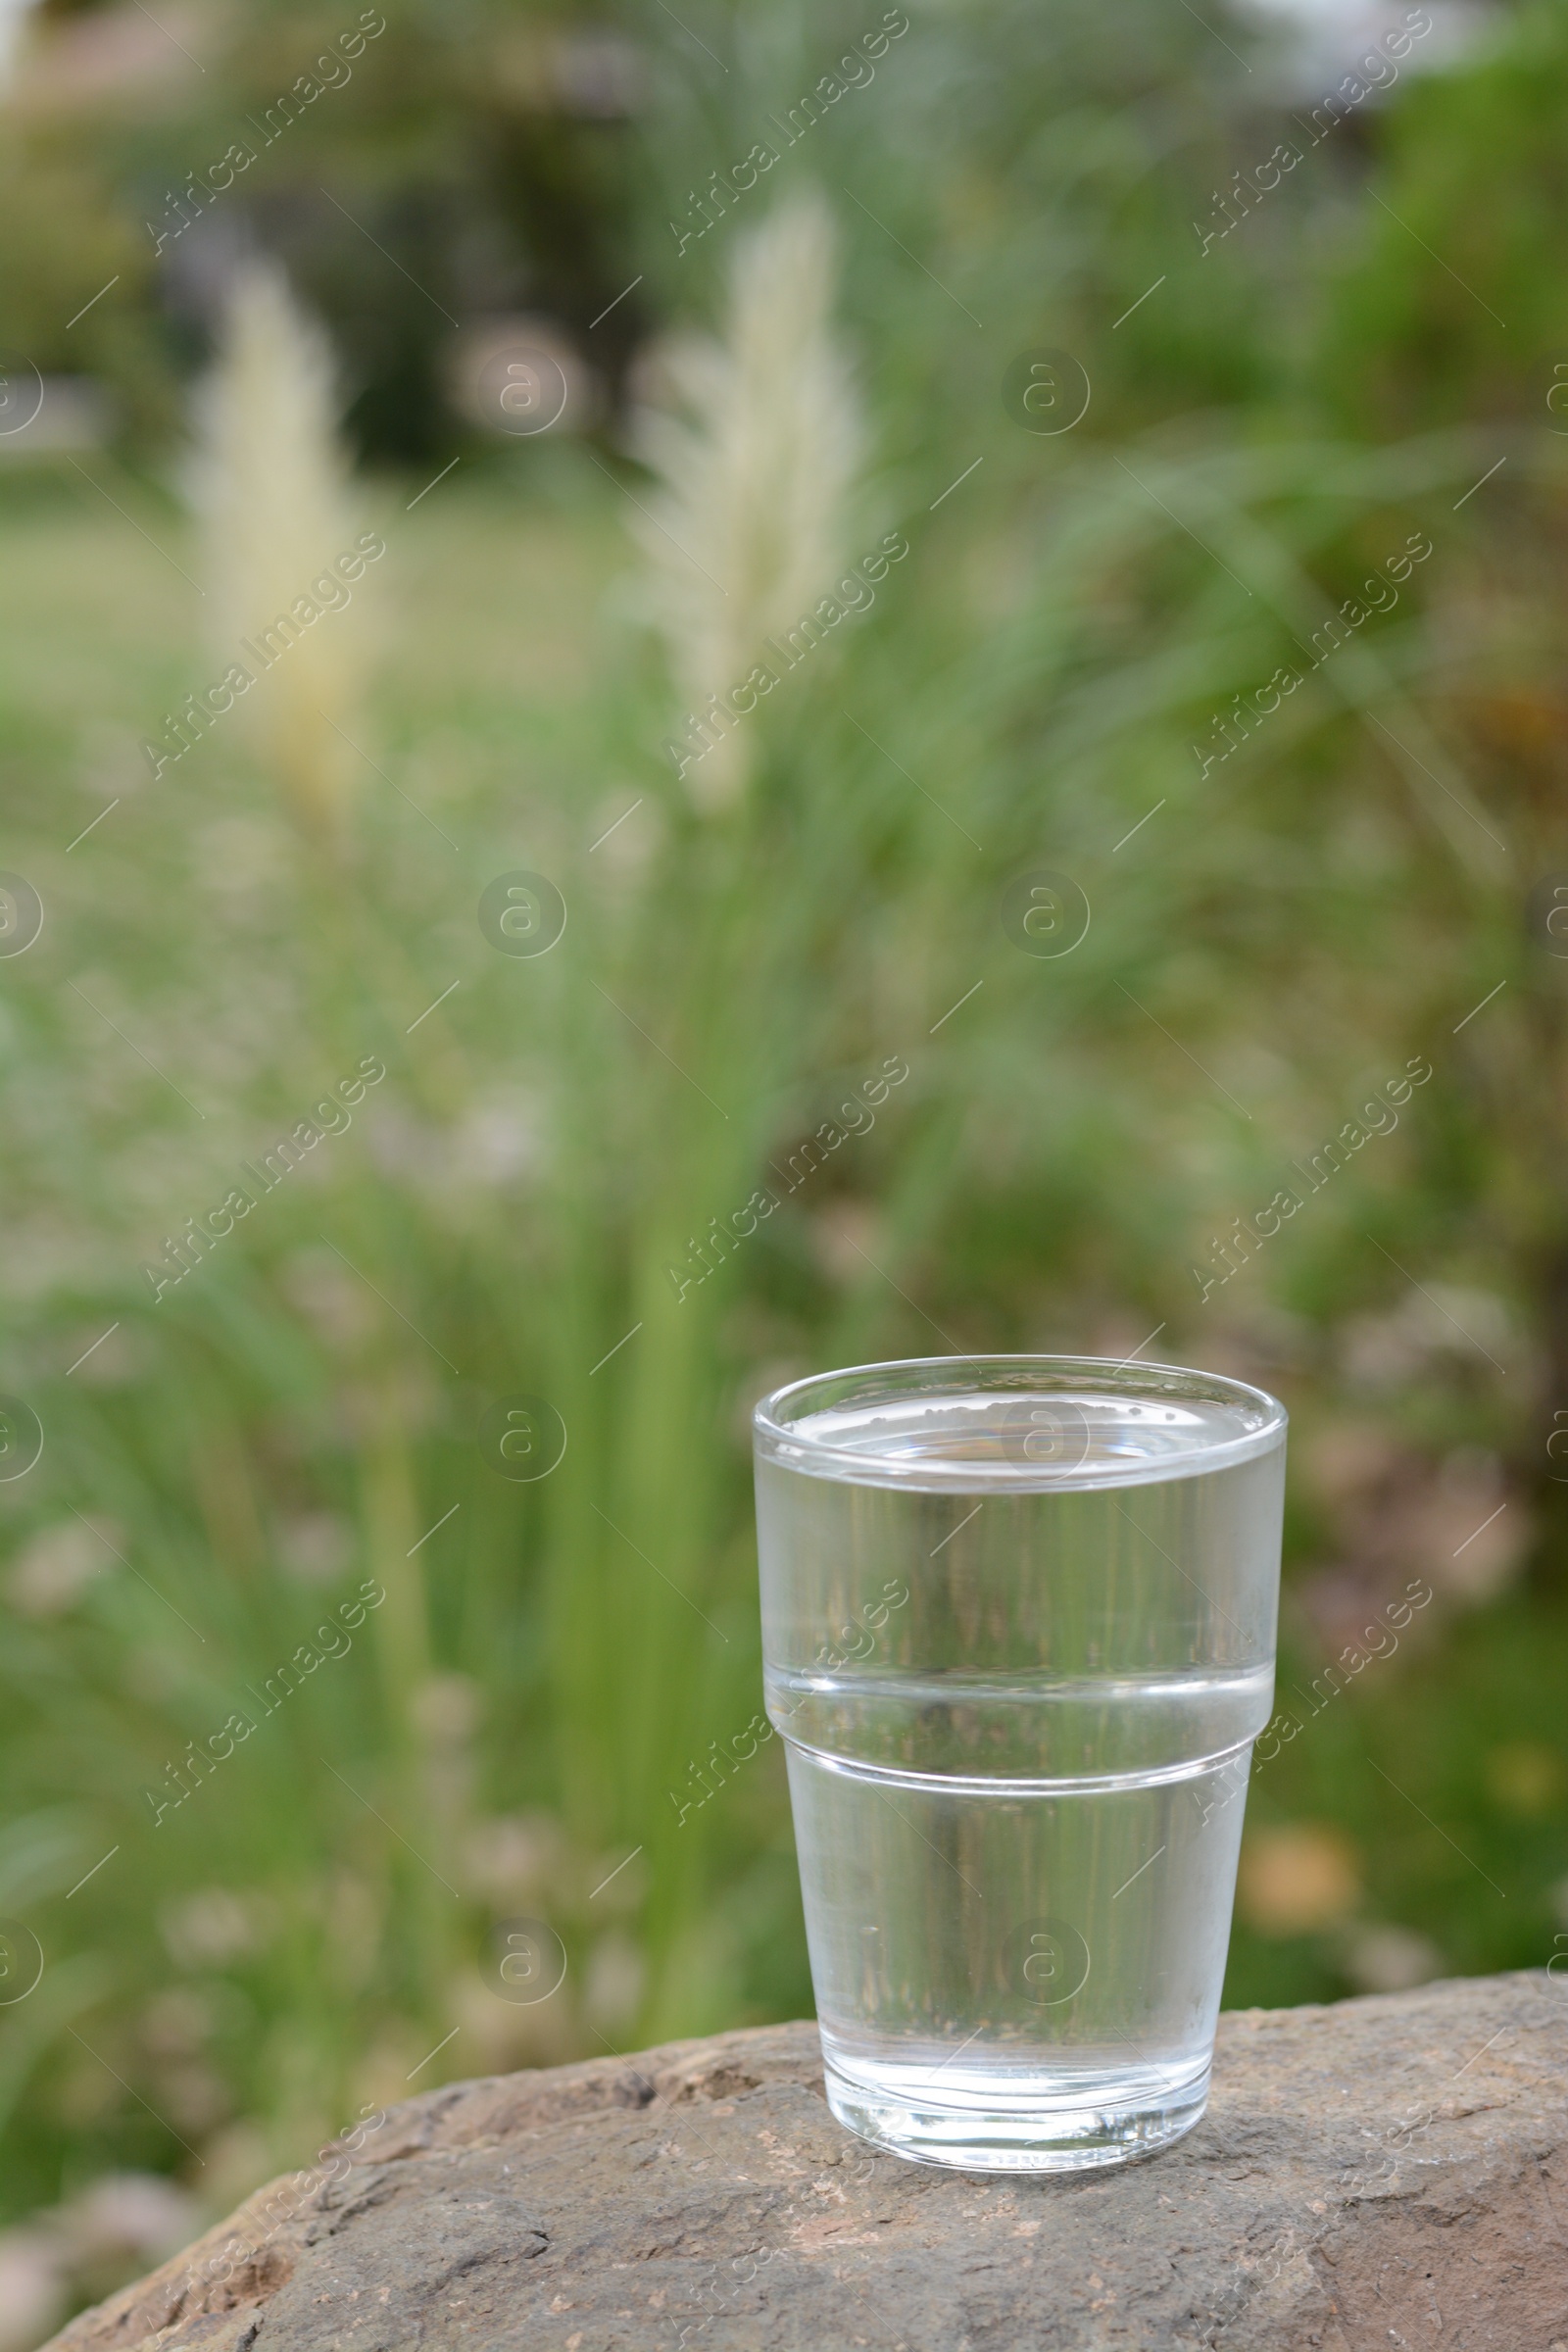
x=524, y=1710
x=253, y=1448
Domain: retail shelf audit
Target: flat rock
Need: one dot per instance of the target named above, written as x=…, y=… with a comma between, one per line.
x=1390, y=2172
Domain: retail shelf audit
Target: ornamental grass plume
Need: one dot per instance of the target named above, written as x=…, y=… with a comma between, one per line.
x=285, y=560
x=756, y=457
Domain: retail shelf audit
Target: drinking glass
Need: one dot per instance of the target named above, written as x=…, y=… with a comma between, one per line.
x=1018, y=1626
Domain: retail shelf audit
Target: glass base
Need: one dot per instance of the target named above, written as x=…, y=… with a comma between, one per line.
x=989, y=2123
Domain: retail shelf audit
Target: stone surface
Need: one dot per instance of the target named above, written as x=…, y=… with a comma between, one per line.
x=1391, y=2172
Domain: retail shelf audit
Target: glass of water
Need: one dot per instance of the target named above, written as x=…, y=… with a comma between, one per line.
x=1018, y=1626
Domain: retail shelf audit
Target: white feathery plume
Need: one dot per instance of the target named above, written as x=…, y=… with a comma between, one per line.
x=271, y=484
x=756, y=459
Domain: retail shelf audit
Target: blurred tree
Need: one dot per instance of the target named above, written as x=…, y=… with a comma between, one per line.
x=1448, y=297
x=415, y=169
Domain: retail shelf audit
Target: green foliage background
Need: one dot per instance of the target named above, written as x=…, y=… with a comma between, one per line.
x=1270, y=418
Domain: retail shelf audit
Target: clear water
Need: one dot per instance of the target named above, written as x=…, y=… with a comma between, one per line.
x=1018, y=1763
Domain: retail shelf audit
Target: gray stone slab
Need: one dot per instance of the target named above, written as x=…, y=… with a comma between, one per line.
x=1386, y=2173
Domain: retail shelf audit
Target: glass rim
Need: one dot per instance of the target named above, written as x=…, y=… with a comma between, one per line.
x=777, y=1435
